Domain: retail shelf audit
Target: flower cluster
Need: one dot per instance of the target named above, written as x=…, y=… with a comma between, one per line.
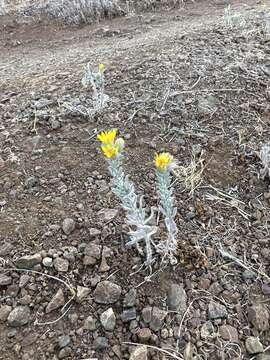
x=141, y=228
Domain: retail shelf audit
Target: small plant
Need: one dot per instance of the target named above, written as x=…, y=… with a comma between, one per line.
x=141, y=228
x=96, y=81
x=164, y=165
x=264, y=155
x=233, y=19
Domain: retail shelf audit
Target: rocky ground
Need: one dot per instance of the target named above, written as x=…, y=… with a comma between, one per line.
x=181, y=81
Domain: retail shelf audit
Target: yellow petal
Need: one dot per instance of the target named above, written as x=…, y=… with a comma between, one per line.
x=107, y=137
x=163, y=160
x=101, y=68
x=110, y=151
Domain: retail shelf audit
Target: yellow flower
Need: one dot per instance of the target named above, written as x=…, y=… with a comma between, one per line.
x=110, y=151
x=101, y=68
x=107, y=137
x=163, y=160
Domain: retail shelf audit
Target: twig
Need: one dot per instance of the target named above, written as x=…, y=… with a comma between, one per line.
x=182, y=320
x=177, y=357
x=56, y=320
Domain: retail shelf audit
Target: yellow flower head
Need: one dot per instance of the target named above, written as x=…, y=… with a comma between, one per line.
x=163, y=160
x=107, y=137
x=101, y=68
x=110, y=151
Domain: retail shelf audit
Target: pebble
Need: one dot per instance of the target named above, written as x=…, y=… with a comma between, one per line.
x=57, y=301
x=107, y=292
x=207, y=330
x=4, y=312
x=128, y=315
x=5, y=249
x=130, y=298
x=177, y=299
x=101, y=343
x=63, y=341
x=28, y=262
x=47, y=262
x=19, y=316
x=216, y=311
x=228, y=332
x=258, y=315
x=253, y=345
x=108, y=320
x=107, y=215
x=158, y=317
x=90, y=323
x=82, y=293
x=93, y=250
x=24, y=279
x=5, y=280
x=60, y=264
x=144, y=335
x=139, y=353
x=68, y=226
x=64, y=353
x=147, y=314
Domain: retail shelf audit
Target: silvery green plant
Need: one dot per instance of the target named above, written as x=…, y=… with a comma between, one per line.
x=233, y=19
x=96, y=81
x=164, y=166
x=264, y=155
x=141, y=226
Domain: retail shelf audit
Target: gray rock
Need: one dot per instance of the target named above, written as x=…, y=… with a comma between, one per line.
x=19, y=316
x=90, y=323
x=94, y=232
x=249, y=275
x=57, y=301
x=258, y=315
x=253, y=345
x=28, y=262
x=207, y=105
x=31, y=182
x=5, y=280
x=217, y=311
x=139, y=353
x=263, y=357
x=128, y=315
x=101, y=343
x=60, y=264
x=93, y=250
x=89, y=261
x=108, y=320
x=82, y=293
x=68, y=226
x=157, y=320
x=144, y=335
x=130, y=298
x=107, y=292
x=177, y=299
x=47, y=262
x=229, y=333
x=5, y=249
x=147, y=314
x=5, y=310
x=207, y=330
x=107, y=215
x=64, y=353
x=63, y=341
x=24, y=279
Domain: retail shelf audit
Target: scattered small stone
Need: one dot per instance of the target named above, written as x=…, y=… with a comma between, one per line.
x=57, y=301
x=108, y=320
x=63, y=341
x=258, y=315
x=207, y=330
x=5, y=249
x=4, y=312
x=64, y=353
x=144, y=335
x=228, y=332
x=117, y=351
x=130, y=298
x=107, y=292
x=90, y=323
x=94, y=232
x=5, y=280
x=253, y=345
x=60, y=264
x=104, y=267
x=93, y=250
x=101, y=343
x=248, y=275
x=158, y=317
x=217, y=311
x=47, y=262
x=177, y=299
x=139, y=353
x=89, y=261
x=31, y=182
x=24, y=279
x=28, y=262
x=128, y=315
x=19, y=316
x=266, y=289
x=68, y=226
x=107, y=215
x=263, y=357
x=82, y=293
x=147, y=314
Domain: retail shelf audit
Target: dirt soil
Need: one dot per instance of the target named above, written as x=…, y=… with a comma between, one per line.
x=179, y=80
